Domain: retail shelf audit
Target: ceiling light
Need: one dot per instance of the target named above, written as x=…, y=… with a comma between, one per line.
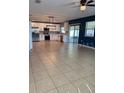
x=51, y=19
x=82, y=7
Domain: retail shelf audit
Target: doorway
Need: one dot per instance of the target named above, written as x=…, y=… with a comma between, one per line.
x=74, y=33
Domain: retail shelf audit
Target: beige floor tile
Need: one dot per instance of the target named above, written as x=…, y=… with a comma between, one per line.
x=54, y=72
x=65, y=69
x=84, y=86
x=52, y=91
x=73, y=75
x=31, y=77
x=67, y=89
x=60, y=64
x=91, y=79
x=31, y=80
x=35, y=70
x=32, y=88
x=60, y=80
x=51, y=68
x=87, y=71
x=76, y=66
x=40, y=76
x=84, y=73
x=44, y=86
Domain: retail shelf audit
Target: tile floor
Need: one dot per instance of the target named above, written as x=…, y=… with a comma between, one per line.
x=56, y=67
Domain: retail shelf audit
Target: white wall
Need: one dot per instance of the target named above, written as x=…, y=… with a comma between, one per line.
x=30, y=36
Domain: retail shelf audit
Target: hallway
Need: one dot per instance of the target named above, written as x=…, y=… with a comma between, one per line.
x=56, y=67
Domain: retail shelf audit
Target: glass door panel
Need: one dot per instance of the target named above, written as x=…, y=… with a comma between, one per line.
x=74, y=34
x=71, y=34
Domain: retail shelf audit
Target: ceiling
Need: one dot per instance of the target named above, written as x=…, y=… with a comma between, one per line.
x=58, y=9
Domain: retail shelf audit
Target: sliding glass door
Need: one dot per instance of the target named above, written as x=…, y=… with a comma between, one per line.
x=74, y=33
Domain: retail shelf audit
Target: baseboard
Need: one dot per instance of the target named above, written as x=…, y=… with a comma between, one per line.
x=86, y=46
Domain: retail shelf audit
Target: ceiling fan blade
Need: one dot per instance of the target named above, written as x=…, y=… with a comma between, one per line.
x=91, y=5
x=91, y=1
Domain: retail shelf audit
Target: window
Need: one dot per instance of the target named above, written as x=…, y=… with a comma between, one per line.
x=90, y=29
x=62, y=30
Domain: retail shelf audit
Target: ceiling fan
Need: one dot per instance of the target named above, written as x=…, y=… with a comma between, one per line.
x=82, y=4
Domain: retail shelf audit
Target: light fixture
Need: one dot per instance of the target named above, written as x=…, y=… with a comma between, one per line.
x=82, y=7
x=51, y=19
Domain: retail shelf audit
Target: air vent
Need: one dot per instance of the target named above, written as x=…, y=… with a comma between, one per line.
x=38, y=1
